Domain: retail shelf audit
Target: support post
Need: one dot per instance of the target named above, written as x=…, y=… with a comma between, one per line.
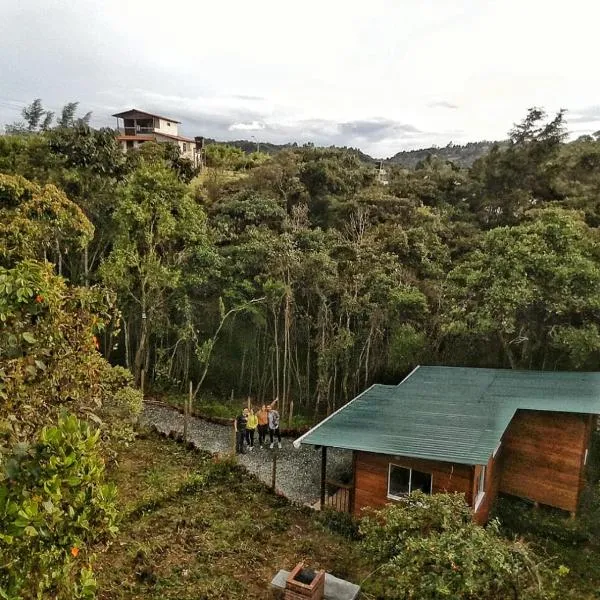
x=323, y=474
x=185, y=419
x=291, y=415
x=233, y=439
x=274, y=472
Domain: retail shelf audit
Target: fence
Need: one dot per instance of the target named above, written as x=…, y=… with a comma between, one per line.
x=339, y=495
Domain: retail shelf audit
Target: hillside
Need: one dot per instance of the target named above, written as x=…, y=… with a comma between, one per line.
x=463, y=156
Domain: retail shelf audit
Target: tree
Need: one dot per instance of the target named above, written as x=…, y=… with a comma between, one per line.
x=534, y=288
x=159, y=231
x=507, y=182
x=33, y=114
x=67, y=115
x=428, y=548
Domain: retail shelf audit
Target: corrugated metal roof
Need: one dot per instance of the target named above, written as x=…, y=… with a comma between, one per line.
x=449, y=413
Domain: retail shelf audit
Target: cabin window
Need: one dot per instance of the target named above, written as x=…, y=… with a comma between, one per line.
x=184, y=147
x=480, y=487
x=403, y=481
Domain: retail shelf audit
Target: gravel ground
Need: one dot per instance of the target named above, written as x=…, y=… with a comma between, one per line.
x=298, y=471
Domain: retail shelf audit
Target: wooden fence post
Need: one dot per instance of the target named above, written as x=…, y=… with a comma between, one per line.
x=291, y=414
x=234, y=439
x=185, y=418
x=274, y=471
x=323, y=474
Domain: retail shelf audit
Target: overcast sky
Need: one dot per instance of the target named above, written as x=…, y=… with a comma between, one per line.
x=382, y=75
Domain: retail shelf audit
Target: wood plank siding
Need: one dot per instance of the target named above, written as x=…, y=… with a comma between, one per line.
x=371, y=478
x=493, y=473
x=543, y=457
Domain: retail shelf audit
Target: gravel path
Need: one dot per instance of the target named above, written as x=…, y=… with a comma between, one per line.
x=298, y=471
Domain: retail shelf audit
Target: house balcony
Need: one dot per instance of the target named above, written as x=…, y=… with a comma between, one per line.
x=138, y=130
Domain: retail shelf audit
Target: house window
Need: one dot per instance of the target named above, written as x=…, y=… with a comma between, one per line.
x=168, y=124
x=480, y=487
x=403, y=480
x=184, y=147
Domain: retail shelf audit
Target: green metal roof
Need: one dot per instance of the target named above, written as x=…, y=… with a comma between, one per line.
x=451, y=414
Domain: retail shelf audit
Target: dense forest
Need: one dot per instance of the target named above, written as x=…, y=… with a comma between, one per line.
x=299, y=275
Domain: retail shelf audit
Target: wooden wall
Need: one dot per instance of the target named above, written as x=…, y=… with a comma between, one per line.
x=493, y=474
x=543, y=457
x=371, y=478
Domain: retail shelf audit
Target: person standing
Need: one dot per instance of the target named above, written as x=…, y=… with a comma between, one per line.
x=263, y=425
x=251, y=428
x=274, y=426
x=240, y=431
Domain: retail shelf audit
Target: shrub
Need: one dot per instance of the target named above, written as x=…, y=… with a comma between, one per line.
x=340, y=522
x=386, y=531
x=53, y=506
x=429, y=548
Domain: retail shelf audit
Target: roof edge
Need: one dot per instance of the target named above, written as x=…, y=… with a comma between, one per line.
x=299, y=440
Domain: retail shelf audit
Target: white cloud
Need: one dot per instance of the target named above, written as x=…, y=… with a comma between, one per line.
x=254, y=126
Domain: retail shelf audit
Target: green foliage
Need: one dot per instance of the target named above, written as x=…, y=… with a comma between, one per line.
x=534, y=286
x=340, y=522
x=53, y=507
x=49, y=360
x=38, y=222
x=429, y=548
x=385, y=532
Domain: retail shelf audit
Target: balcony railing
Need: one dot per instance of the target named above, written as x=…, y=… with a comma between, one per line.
x=137, y=130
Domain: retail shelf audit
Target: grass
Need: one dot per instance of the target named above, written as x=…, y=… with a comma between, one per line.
x=195, y=527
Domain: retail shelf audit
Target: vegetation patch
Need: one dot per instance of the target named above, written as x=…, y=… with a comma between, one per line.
x=199, y=527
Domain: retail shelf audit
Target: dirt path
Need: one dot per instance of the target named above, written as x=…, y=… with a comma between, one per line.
x=298, y=471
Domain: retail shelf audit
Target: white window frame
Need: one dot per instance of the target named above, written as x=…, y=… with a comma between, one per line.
x=480, y=487
x=410, y=472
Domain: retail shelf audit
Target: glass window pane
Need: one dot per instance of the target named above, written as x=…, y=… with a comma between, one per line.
x=421, y=481
x=399, y=481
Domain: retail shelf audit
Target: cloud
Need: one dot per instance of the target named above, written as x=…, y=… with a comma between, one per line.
x=443, y=104
x=589, y=114
x=254, y=126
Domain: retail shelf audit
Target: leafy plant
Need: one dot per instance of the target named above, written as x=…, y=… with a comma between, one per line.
x=53, y=507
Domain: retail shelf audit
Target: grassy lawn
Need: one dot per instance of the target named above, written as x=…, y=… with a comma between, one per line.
x=196, y=528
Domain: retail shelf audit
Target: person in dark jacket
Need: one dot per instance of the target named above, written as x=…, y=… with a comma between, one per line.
x=240, y=424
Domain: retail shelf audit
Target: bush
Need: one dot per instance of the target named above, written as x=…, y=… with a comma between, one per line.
x=53, y=506
x=518, y=516
x=429, y=548
x=386, y=531
x=340, y=522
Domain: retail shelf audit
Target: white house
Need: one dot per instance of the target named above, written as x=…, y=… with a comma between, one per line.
x=138, y=127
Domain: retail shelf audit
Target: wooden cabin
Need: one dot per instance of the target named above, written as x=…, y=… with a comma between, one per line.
x=479, y=432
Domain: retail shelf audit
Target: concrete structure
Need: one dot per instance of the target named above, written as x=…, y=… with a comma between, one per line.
x=479, y=432
x=137, y=127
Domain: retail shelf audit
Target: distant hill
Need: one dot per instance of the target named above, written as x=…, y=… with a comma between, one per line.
x=268, y=148
x=464, y=156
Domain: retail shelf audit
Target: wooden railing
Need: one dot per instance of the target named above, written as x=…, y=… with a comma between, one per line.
x=339, y=495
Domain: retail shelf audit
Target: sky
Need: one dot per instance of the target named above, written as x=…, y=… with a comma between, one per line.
x=380, y=75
